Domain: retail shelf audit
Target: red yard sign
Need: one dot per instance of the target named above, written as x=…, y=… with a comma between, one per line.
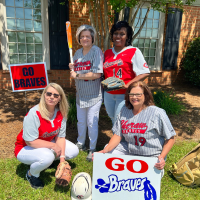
x=31, y=76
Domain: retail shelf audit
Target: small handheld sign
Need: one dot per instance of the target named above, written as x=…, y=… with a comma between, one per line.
x=27, y=76
x=125, y=177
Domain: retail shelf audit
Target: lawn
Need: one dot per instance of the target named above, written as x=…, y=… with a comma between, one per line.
x=13, y=184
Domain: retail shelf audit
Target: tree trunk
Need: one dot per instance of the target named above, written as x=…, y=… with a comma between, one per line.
x=106, y=25
x=97, y=24
x=91, y=14
x=102, y=36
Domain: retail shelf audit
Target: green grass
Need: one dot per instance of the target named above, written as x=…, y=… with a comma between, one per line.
x=13, y=184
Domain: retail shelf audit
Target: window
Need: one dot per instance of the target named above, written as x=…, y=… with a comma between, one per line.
x=24, y=31
x=149, y=41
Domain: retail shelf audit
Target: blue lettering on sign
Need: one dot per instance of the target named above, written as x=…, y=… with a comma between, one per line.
x=131, y=185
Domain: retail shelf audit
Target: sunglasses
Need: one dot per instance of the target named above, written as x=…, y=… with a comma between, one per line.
x=54, y=95
x=135, y=94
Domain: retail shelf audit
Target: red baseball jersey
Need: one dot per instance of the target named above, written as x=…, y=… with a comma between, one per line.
x=45, y=130
x=125, y=65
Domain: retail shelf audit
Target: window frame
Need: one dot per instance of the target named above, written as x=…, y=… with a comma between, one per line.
x=4, y=36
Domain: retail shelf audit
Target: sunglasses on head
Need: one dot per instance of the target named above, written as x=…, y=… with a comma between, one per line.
x=50, y=93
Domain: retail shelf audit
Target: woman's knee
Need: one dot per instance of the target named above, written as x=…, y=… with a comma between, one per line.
x=71, y=151
x=47, y=156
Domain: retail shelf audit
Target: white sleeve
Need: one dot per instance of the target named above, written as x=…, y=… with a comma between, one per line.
x=31, y=124
x=117, y=126
x=62, y=132
x=139, y=64
x=97, y=61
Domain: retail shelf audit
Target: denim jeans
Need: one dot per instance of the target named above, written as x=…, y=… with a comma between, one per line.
x=113, y=104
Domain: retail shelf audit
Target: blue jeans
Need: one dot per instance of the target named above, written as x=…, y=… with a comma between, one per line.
x=113, y=104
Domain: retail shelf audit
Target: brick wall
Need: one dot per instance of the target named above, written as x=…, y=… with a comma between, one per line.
x=79, y=14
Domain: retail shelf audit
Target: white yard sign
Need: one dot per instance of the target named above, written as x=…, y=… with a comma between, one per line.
x=117, y=177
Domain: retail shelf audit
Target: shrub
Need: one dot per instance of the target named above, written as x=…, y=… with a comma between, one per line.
x=191, y=62
x=168, y=102
x=72, y=115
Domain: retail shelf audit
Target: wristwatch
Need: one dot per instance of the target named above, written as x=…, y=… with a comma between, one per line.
x=77, y=75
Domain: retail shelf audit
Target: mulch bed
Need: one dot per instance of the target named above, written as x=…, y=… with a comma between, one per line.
x=13, y=108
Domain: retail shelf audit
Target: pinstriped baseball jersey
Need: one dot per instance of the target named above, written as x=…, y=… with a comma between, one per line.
x=88, y=93
x=144, y=133
x=36, y=127
x=126, y=65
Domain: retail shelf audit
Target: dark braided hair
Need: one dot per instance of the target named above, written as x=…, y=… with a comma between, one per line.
x=129, y=30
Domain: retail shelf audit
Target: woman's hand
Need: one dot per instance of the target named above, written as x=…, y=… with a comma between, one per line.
x=71, y=66
x=161, y=163
x=73, y=74
x=102, y=151
x=57, y=150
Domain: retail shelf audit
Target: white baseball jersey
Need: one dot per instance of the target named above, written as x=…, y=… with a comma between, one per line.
x=88, y=92
x=144, y=133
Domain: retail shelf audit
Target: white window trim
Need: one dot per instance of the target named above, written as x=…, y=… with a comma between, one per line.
x=4, y=37
x=157, y=65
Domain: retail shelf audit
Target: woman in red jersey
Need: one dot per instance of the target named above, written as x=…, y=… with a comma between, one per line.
x=122, y=61
x=42, y=139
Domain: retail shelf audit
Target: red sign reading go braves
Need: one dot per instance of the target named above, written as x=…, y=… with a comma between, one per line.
x=28, y=76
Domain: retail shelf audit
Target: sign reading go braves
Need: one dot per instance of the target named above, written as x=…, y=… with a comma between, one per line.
x=125, y=177
x=31, y=76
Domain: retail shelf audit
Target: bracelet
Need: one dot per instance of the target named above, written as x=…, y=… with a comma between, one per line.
x=62, y=156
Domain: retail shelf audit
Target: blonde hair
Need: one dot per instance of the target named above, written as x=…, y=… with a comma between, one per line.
x=63, y=105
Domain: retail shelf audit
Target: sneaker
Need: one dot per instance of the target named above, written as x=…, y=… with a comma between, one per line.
x=34, y=181
x=81, y=146
x=89, y=156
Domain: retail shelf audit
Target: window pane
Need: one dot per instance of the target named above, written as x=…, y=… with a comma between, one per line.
x=152, y=52
x=27, y=3
x=144, y=11
x=12, y=48
x=19, y=3
x=146, y=52
x=21, y=37
x=30, y=58
x=13, y=59
x=36, y=4
x=22, y=48
x=148, y=33
x=156, y=14
x=20, y=13
x=37, y=14
x=136, y=23
x=30, y=48
x=155, y=23
x=38, y=37
x=37, y=26
x=29, y=37
x=11, y=37
x=135, y=42
x=20, y=24
x=38, y=58
x=142, y=50
x=149, y=23
x=146, y=59
x=150, y=15
x=10, y=12
x=147, y=43
x=28, y=13
x=155, y=33
x=22, y=58
x=9, y=2
x=38, y=48
x=151, y=61
x=29, y=25
x=141, y=43
x=142, y=33
x=11, y=24
x=153, y=43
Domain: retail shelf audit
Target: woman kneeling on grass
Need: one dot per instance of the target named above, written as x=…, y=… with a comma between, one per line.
x=42, y=139
x=145, y=127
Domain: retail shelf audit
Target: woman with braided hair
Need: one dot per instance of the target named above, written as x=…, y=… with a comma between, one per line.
x=42, y=139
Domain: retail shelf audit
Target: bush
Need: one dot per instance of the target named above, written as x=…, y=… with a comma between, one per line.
x=191, y=62
x=72, y=115
x=168, y=102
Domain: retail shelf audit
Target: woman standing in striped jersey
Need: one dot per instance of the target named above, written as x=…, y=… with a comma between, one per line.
x=87, y=70
x=124, y=62
x=146, y=128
